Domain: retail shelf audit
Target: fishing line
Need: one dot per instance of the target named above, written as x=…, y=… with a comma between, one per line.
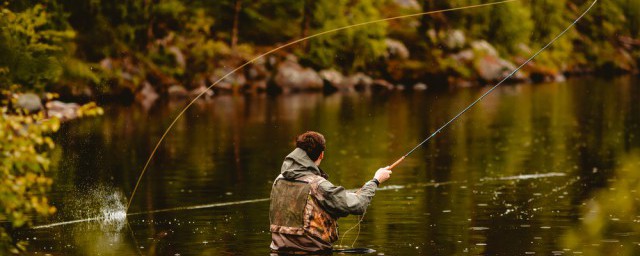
x=259, y=200
x=144, y=169
x=397, y=162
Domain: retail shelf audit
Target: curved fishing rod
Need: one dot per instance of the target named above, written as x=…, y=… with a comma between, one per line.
x=397, y=162
x=144, y=169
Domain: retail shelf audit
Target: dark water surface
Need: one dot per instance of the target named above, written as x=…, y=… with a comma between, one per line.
x=513, y=176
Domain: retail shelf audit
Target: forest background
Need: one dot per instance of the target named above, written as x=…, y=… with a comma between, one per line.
x=142, y=50
x=98, y=50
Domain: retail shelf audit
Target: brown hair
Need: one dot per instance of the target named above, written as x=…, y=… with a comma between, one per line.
x=311, y=142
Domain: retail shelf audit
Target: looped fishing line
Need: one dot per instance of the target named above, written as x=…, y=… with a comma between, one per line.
x=344, y=28
x=146, y=166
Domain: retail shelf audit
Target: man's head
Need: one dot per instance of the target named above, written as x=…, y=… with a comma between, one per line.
x=313, y=143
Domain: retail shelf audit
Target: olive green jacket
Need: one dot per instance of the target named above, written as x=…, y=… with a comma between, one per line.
x=337, y=201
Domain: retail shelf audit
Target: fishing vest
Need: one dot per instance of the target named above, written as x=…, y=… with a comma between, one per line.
x=294, y=209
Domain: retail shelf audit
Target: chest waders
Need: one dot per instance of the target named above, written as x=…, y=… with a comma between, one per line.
x=295, y=210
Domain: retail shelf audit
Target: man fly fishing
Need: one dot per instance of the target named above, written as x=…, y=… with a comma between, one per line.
x=305, y=206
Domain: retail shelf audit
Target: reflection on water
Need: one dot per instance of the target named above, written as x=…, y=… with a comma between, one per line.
x=610, y=221
x=509, y=177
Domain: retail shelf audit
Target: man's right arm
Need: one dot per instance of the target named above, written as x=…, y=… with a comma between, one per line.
x=339, y=202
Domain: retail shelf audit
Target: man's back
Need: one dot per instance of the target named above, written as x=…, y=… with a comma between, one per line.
x=305, y=206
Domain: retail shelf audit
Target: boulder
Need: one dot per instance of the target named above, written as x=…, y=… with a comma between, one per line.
x=29, y=102
x=61, y=110
x=177, y=92
x=381, y=84
x=358, y=81
x=334, y=78
x=291, y=76
x=408, y=4
x=463, y=56
x=484, y=47
x=493, y=68
x=396, y=50
x=257, y=70
x=419, y=87
x=202, y=89
x=455, y=39
x=147, y=95
x=178, y=55
x=228, y=83
x=488, y=64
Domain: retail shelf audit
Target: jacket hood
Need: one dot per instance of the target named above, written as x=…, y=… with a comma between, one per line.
x=297, y=164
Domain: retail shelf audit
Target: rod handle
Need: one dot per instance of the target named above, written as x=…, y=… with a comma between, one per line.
x=396, y=163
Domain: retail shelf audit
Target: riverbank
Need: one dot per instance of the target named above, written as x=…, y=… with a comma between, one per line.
x=454, y=61
x=175, y=49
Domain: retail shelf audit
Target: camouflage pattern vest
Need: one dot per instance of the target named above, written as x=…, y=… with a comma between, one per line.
x=294, y=209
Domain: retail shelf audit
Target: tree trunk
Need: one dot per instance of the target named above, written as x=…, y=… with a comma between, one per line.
x=234, y=32
x=306, y=20
x=425, y=20
x=436, y=21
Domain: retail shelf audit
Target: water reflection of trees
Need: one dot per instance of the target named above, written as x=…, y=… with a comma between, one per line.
x=572, y=128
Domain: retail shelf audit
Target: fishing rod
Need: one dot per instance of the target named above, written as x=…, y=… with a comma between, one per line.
x=181, y=113
x=397, y=162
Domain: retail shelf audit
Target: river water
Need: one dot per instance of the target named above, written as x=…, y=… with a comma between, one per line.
x=516, y=175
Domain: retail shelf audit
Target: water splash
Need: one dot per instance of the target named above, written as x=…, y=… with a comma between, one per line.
x=100, y=205
x=112, y=210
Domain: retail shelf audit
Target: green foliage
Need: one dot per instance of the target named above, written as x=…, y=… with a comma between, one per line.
x=509, y=26
x=349, y=49
x=24, y=164
x=24, y=147
x=177, y=41
x=31, y=48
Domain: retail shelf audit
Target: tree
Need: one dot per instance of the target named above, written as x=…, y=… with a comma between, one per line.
x=349, y=49
x=33, y=48
x=509, y=26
